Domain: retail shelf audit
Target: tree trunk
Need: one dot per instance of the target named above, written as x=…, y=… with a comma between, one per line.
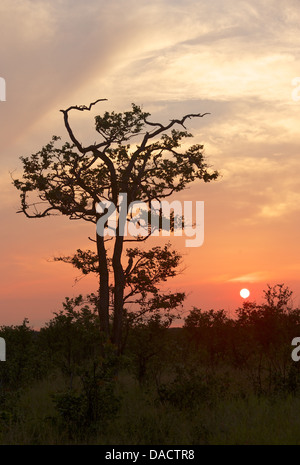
x=103, y=301
x=119, y=285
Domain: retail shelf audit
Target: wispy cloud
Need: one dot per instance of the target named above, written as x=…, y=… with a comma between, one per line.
x=258, y=276
x=233, y=59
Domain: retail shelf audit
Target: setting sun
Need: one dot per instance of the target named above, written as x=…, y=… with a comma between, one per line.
x=244, y=293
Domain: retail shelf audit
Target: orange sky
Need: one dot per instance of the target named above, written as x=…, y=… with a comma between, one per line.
x=234, y=59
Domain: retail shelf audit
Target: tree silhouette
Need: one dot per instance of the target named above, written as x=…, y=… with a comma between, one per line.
x=144, y=274
x=74, y=179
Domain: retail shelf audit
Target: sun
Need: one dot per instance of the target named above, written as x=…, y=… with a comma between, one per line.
x=244, y=293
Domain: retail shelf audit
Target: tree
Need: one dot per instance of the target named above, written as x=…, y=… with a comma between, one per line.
x=209, y=329
x=265, y=332
x=148, y=344
x=72, y=336
x=146, y=271
x=74, y=180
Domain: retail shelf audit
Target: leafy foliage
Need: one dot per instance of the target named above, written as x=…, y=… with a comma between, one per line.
x=82, y=411
x=72, y=180
x=185, y=384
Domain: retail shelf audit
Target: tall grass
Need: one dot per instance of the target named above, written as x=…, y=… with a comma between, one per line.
x=227, y=418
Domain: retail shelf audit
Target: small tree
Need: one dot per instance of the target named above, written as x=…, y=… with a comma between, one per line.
x=72, y=336
x=266, y=331
x=74, y=179
x=210, y=330
x=144, y=274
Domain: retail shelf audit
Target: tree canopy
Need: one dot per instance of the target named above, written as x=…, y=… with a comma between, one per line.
x=72, y=179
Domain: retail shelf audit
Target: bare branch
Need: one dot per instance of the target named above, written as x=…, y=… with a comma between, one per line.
x=38, y=215
x=138, y=239
x=84, y=107
x=68, y=127
x=173, y=122
x=161, y=128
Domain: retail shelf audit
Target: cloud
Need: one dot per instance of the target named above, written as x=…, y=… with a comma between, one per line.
x=280, y=207
x=255, y=277
x=235, y=52
x=235, y=60
x=51, y=50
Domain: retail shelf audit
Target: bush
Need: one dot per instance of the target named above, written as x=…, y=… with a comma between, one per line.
x=191, y=390
x=84, y=410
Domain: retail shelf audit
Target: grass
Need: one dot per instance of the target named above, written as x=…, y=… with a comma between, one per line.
x=143, y=419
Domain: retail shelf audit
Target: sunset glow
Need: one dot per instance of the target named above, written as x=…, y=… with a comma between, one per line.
x=238, y=65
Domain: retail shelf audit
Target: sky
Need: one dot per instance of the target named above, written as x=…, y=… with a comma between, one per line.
x=236, y=60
